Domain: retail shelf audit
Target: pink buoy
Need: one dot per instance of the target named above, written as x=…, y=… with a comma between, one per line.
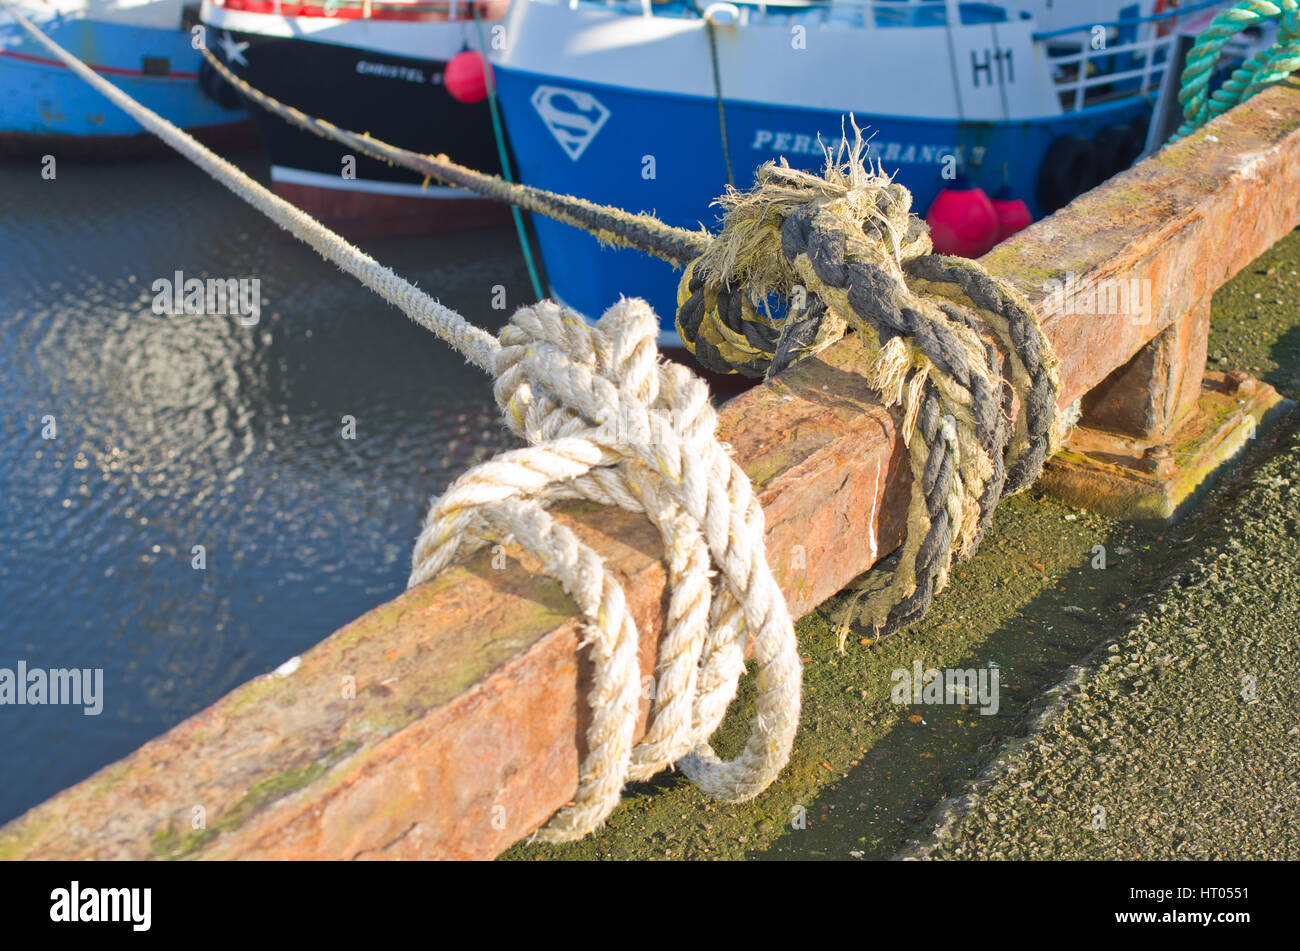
x=465, y=77
x=962, y=220
x=1013, y=214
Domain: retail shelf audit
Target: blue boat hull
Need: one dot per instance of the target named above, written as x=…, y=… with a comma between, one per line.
x=662, y=154
x=43, y=105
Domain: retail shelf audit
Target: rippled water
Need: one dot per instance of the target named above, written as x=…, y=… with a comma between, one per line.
x=176, y=431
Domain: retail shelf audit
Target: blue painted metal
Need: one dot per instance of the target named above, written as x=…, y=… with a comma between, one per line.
x=681, y=133
x=40, y=98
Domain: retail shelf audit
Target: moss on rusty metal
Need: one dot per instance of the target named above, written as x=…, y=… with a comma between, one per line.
x=1219, y=430
x=255, y=692
x=108, y=779
x=20, y=839
x=166, y=843
x=773, y=464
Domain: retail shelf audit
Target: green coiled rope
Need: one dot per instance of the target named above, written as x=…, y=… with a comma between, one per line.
x=1263, y=69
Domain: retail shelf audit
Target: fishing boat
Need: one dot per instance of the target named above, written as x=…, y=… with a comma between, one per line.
x=654, y=106
x=144, y=46
x=410, y=73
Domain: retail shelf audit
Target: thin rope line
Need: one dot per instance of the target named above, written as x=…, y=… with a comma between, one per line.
x=610, y=225
x=717, y=92
x=499, y=135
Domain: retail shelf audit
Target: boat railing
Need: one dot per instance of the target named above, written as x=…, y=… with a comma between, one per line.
x=890, y=13
x=882, y=12
x=1165, y=20
x=1093, y=62
x=1107, y=61
x=1090, y=63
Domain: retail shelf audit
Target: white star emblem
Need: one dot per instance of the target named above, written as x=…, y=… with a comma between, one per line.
x=234, y=51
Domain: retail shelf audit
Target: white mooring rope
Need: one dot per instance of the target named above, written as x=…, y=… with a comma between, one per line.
x=607, y=420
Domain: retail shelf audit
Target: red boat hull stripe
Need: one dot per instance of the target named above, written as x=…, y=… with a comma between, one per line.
x=106, y=70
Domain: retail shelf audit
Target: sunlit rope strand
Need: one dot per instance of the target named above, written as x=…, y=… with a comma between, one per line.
x=606, y=420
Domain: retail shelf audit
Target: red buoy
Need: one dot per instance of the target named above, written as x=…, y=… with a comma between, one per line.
x=962, y=220
x=1013, y=214
x=465, y=77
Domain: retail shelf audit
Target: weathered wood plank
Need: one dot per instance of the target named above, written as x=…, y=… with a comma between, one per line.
x=463, y=733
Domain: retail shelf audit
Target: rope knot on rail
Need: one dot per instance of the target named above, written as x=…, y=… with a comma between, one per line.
x=843, y=251
x=607, y=420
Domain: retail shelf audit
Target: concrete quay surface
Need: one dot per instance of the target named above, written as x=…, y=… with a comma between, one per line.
x=1181, y=739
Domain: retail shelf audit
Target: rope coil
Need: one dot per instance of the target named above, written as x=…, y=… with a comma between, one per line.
x=1265, y=68
x=610, y=422
x=844, y=251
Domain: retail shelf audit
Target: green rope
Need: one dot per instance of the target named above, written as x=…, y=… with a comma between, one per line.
x=1263, y=69
x=497, y=131
x=717, y=91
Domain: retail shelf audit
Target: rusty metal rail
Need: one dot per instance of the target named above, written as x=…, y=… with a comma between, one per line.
x=447, y=722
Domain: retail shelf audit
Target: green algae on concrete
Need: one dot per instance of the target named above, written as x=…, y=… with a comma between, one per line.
x=848, y=716
x=1223, y=426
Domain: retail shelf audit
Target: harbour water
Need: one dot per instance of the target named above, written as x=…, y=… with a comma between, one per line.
x=129, y=437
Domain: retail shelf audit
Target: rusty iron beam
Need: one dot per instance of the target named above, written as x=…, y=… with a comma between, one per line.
x=448, y=722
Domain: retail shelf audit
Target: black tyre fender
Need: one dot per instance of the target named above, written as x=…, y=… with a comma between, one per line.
x=1118, y=147
x=1069, y=169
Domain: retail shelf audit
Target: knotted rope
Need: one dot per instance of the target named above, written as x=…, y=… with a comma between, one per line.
x=844, y=251
x=607, y=420
x=1266, y=67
